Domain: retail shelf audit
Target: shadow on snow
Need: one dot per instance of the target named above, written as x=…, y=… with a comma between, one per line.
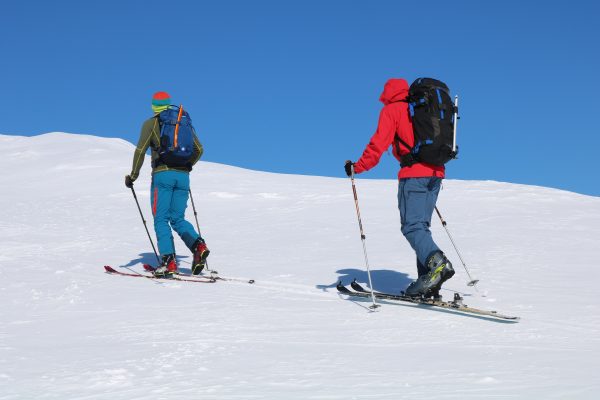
x=384, y=280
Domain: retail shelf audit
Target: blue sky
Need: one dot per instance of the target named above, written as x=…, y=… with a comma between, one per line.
x=293, y=87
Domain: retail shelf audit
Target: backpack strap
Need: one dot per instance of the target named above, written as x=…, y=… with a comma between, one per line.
x=403, y=143
x=156, y=163
x=407, y=159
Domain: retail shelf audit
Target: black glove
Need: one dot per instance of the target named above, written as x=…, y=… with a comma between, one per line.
x=128, y=181
x=348, y=167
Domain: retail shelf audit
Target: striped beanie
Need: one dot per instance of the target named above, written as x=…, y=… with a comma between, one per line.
x=160, y=101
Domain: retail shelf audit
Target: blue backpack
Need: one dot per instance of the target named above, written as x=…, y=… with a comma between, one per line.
x=176, y=137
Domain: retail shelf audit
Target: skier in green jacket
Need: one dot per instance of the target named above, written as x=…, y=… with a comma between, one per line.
x=169, y=193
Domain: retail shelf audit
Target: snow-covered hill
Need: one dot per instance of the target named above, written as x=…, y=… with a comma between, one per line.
x=70, y=331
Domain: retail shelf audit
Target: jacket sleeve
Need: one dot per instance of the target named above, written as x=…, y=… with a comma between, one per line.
x=198, y=150
x=142, y=147
x=381, y=140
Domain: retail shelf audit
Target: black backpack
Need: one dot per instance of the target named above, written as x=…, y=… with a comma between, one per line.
x=433, y=117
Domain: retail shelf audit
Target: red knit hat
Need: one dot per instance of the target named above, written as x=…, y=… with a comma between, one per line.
x=160, y=101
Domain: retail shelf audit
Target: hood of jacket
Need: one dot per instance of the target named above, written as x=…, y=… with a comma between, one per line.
x=394, y=90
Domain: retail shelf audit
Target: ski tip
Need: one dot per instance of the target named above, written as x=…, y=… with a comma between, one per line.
x=108, y=268
x=356, y=286
x=342, y=289
x=148, y=267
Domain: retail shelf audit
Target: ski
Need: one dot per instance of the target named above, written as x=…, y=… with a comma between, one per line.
x=112, y=271
x=455, y=305
x=213, y=275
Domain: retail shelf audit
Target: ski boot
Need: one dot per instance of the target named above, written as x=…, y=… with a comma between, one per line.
x=436, y=296
x=167, y=268
x=201, y=253
x=428, y=285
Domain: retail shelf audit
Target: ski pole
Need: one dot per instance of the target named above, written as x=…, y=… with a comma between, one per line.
x=362, y=237
x=145, y=226
x=195, y=213
x=198, y=226
x=472, y=281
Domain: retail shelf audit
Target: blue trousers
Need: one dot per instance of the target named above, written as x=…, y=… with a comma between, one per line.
x=416, y=201
x=169, y=196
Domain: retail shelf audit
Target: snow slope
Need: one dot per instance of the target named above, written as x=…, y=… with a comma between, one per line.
x=70, y=331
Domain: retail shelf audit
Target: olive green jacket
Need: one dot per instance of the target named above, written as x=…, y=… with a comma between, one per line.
x=150, y=137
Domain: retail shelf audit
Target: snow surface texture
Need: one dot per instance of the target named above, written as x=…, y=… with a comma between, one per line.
x=70, y=331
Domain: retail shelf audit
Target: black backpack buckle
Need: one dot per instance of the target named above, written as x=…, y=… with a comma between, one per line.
x=408, y=160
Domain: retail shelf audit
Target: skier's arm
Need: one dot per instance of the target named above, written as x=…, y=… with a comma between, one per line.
x=381, y=140
x=198, y=150
x=142, y=147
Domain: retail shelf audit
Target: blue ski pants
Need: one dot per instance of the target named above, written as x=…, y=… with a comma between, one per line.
x=169, y=196
x=416, y=201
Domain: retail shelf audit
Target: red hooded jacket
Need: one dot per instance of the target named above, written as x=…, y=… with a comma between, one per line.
x=395, y=119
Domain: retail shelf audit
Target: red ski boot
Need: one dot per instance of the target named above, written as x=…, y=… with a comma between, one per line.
x=201, y=253
x=167, y=268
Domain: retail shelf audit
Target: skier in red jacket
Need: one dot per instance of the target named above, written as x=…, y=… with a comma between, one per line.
x=419, y=185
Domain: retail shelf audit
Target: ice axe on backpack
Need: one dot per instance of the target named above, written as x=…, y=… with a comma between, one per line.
x=456, y=117
x=177, y=125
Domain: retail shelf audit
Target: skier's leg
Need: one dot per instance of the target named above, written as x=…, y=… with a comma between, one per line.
x=416, y=200
x=421, y=269
x=160, y=196
x=184, y=229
